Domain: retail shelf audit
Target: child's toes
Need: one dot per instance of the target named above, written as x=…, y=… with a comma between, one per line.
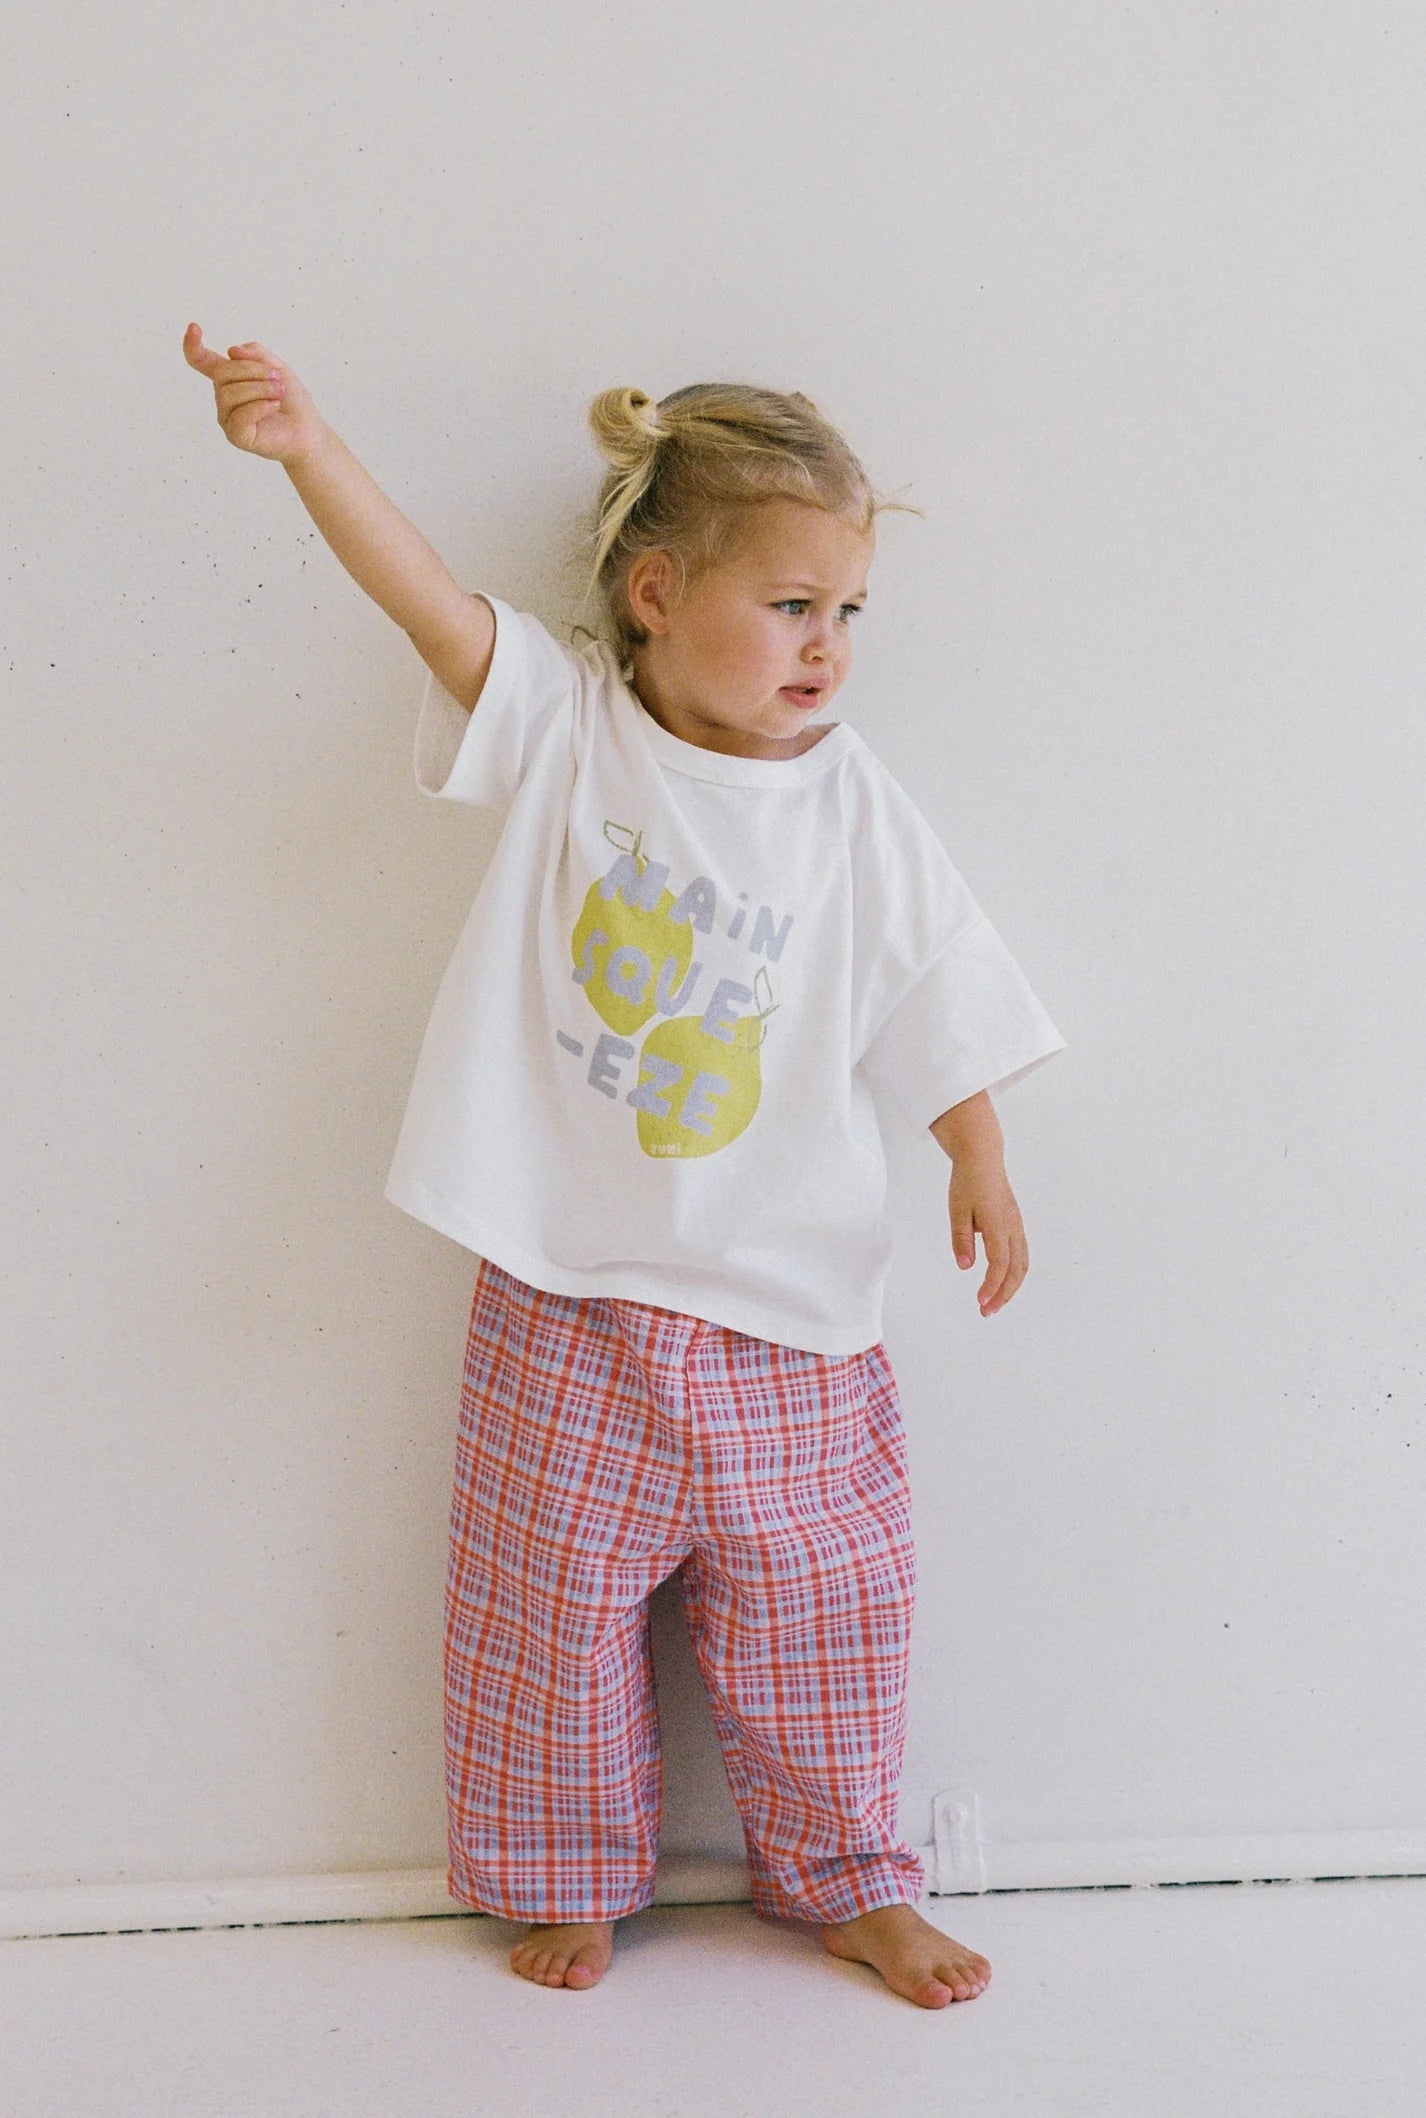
x=959, y=1980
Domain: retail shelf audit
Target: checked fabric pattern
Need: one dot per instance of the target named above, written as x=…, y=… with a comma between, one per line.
x=603, y=1445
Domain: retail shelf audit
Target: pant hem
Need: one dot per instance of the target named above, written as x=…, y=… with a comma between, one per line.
x=481, y=1897
x=833, y=1911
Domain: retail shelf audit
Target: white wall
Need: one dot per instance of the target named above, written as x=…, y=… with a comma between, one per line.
x=1128, y=299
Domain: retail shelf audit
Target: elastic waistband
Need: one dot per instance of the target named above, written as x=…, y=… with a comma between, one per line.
x=643, y=1322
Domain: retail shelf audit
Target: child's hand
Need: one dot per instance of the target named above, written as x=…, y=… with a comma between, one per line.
x=262, y=407
x=981, y=1199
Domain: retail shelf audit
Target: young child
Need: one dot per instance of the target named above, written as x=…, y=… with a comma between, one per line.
x=715, y=942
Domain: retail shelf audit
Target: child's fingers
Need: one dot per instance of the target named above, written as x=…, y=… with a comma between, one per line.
x=993, y=1283
x=243, y=362
x=251, y=359
x=1008, y=1268
x=199, y=356
x=232, y=394
x=237, y=389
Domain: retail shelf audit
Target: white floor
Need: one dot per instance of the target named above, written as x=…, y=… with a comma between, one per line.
x=1270, y=2000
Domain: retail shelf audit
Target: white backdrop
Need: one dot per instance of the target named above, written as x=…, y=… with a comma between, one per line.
x=1128, y=300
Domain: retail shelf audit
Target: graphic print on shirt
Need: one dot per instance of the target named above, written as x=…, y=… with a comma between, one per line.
x=699, y=1076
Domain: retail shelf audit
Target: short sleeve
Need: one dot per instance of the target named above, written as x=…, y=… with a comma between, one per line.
x=481, y=757
x=969, y=1022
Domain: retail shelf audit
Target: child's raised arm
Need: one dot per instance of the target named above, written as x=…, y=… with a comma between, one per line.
x=263, y=408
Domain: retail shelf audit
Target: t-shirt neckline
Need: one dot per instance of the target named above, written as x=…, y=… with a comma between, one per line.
x=722, y=766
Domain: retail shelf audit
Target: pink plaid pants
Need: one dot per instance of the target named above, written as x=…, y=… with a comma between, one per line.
x=602, y=1446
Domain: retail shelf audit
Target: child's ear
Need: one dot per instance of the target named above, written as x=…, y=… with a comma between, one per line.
x=649, y=588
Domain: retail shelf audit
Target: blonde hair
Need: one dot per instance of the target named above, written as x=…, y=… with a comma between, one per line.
x=684, y=471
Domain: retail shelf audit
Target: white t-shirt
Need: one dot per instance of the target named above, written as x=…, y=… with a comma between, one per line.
x=688, y=980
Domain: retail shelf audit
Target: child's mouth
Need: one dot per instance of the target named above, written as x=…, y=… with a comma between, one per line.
x=801, y=694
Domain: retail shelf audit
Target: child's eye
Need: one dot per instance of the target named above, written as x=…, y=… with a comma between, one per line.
x=799, y=603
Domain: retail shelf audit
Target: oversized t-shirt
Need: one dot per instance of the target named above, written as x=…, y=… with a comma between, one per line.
x=688, y=989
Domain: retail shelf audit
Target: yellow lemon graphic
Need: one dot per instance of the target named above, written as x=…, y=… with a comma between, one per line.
x=629, y=956
x=700, y=1076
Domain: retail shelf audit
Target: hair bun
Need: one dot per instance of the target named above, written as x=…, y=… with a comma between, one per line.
x=626, y=426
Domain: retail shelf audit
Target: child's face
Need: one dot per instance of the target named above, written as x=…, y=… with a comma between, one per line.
x=725, y=668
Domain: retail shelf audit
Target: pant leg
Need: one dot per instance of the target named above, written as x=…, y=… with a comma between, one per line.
x=565, y=1516
x=799, y=1595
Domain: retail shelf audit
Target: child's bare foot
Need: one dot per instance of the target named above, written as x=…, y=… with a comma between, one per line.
x=916, y=1959
x=573, y=1955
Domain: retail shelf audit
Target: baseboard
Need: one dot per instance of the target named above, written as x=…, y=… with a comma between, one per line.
x=277, y=1900
x=961, y=1862
x=968, y=1861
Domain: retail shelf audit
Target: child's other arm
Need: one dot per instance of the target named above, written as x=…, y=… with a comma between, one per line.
x=263, y=408
x=981, y=1201
x=969, y=1125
